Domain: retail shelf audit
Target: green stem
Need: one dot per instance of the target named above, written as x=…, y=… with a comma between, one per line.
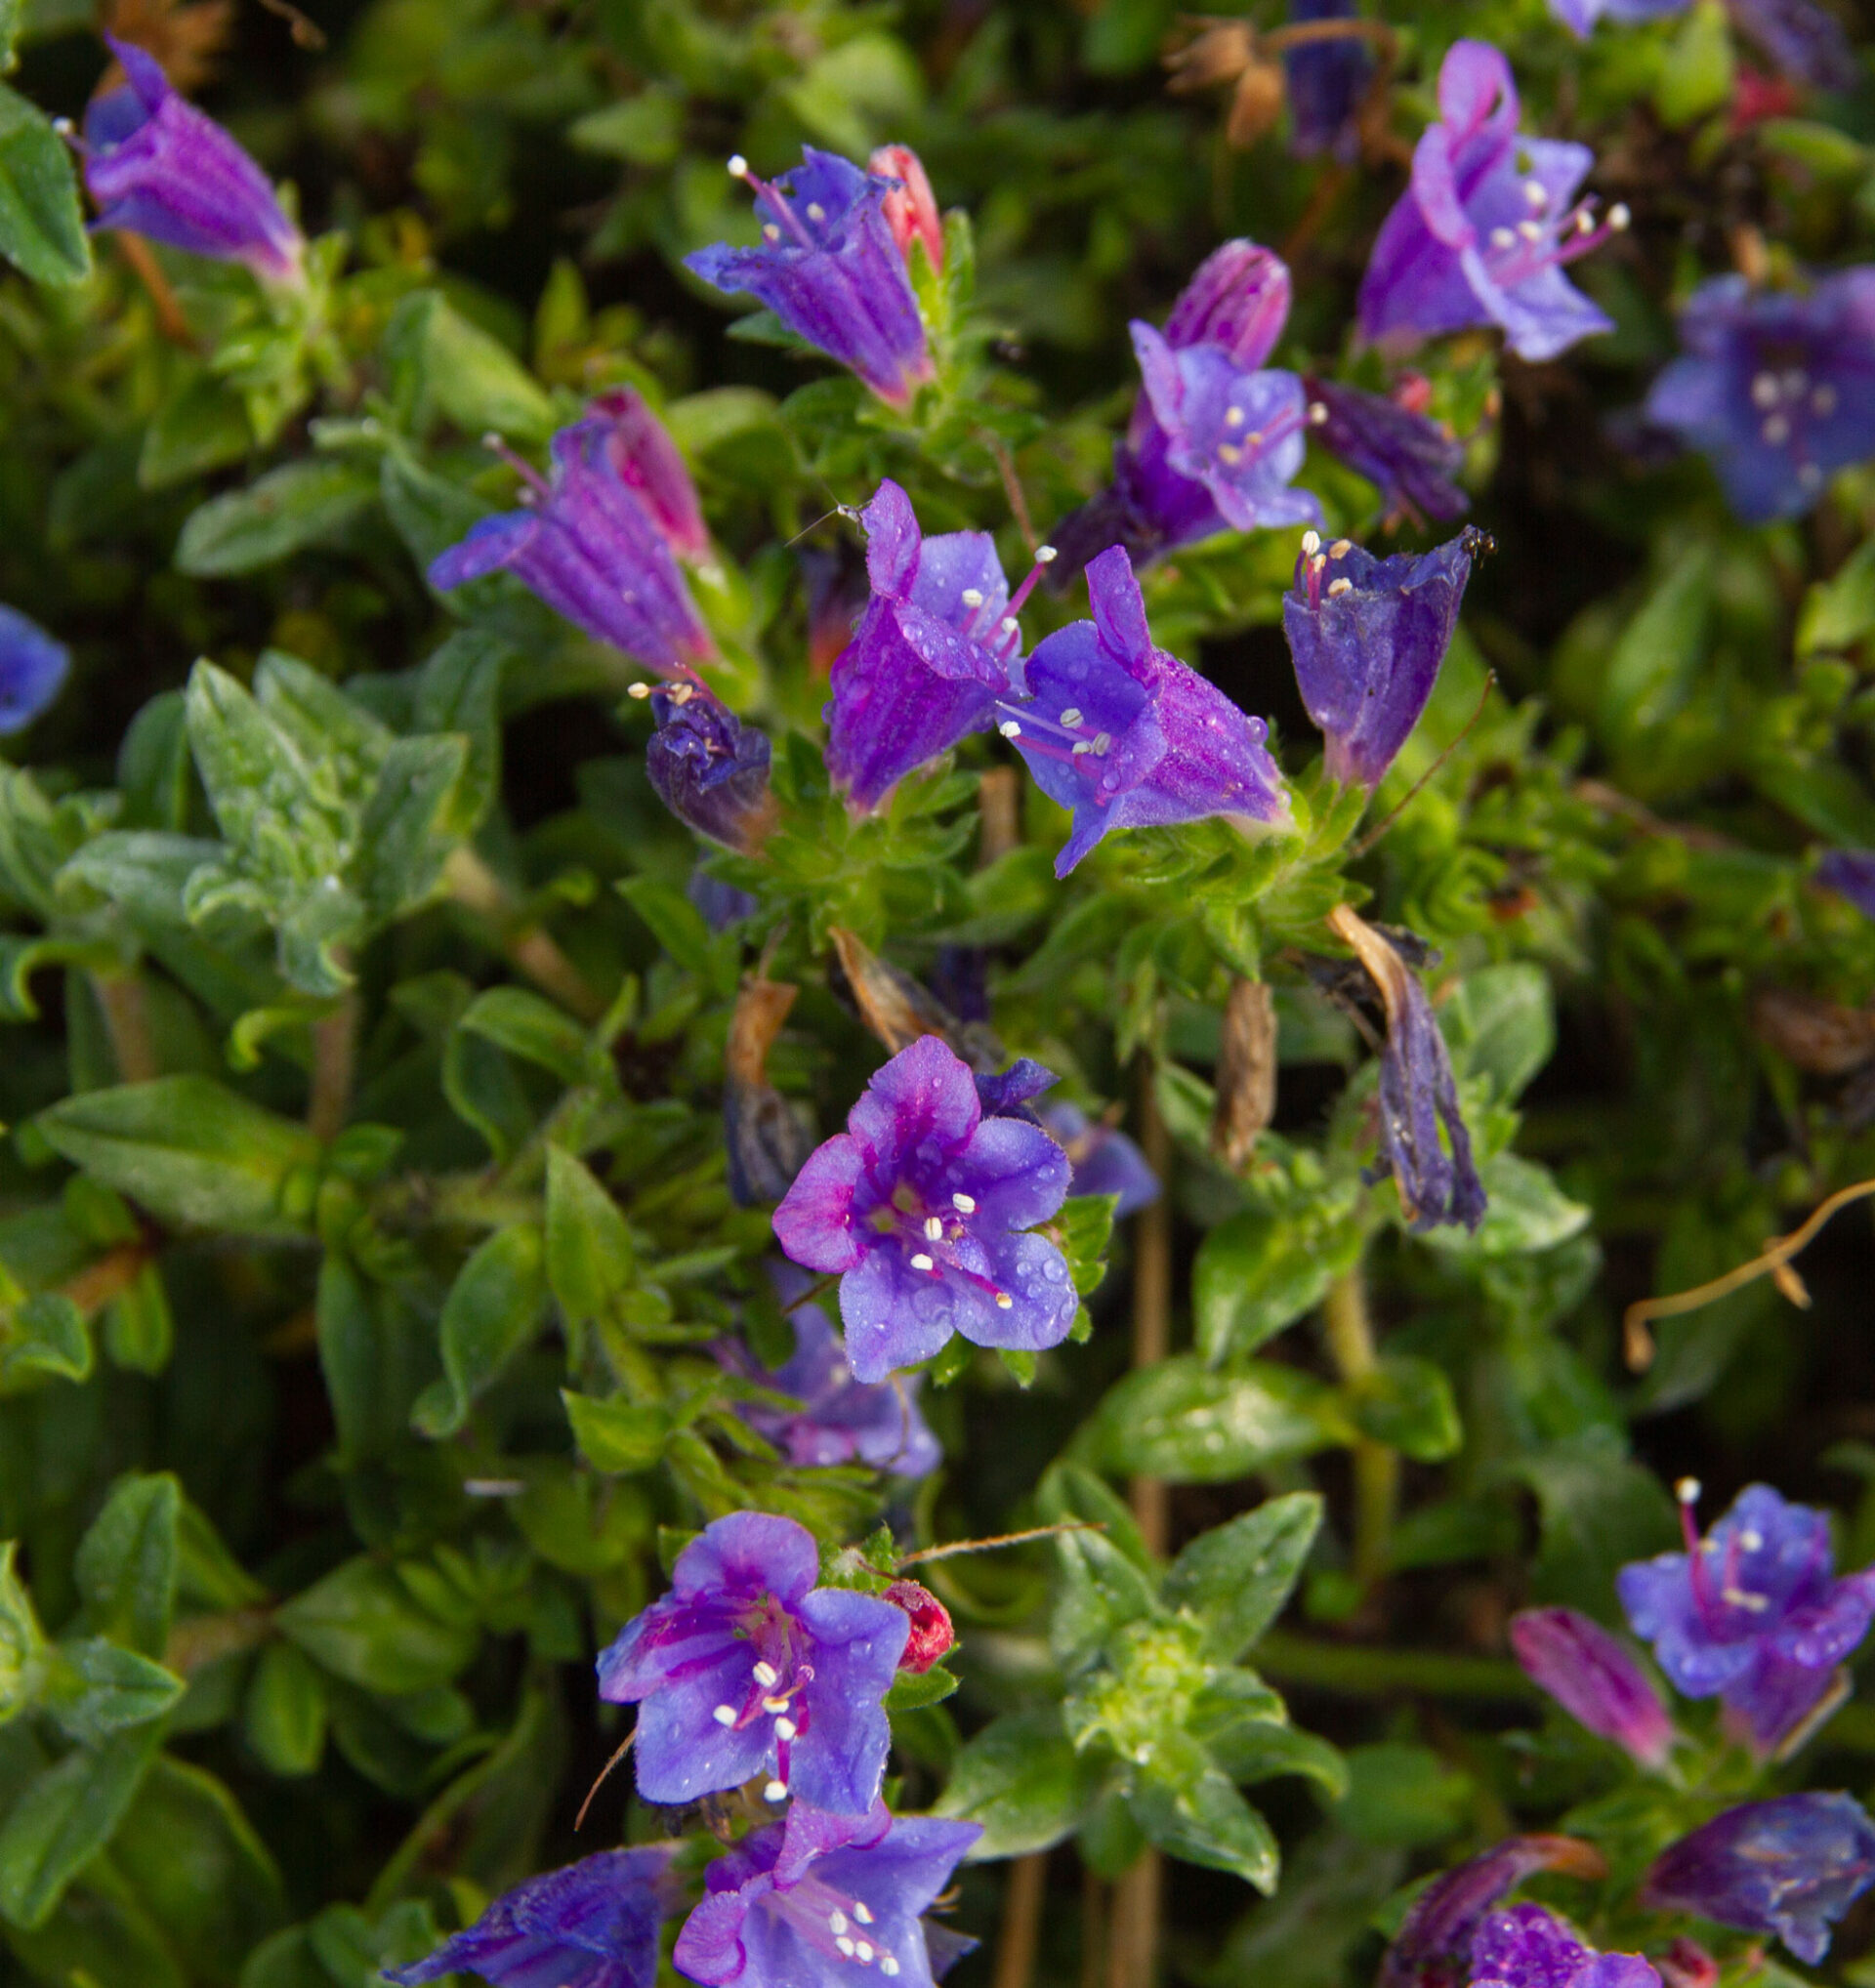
x=126, y=1012
x=1351, y=1343
x=528, y=945
x=335, y=1044
x=1363, y=1670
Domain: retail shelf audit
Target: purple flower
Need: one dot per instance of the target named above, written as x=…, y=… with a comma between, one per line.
x=157, y=166
x=1582, y=15
x=589, y=548
x=1325, y=81
x=817, y=1901
x=1753, y=1614
x=1777, y=389
x=935, y=649
x=747, y=1668
x=639, y=448
x=839, y=1420
x=1409, y=459
x=1529, y=1947
x=831, y=270
x=1127, y=736
x=1105, y=1160
x=922, y=1206
x=593, y=1925
x=1791, y=1866
x=1432, y=1948
x=1481, y=233
x=34, y=668
x=709, y=768
x=1594, y=1679
x=1367, y=637
x=1850, y=874
x=1804, y=41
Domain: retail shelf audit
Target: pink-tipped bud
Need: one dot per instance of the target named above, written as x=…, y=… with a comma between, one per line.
x=910, y=209
x=1686, y=1963
x=637, y=445
x=1413, y=392
x=931, y=1635
x=1594, y=1678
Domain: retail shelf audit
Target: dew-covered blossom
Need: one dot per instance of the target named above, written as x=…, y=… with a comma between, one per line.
x=648, y=463
x=824, y=1901
x=935, y=647
x=1127, y=736
x=1481, y=233
x=1792, y=1866
x=1409, y=459
x=1594, y=1678
x=1529, y=1947
x=157, y=166
x=1324, y=82
x=1850, y=874
x=746, y=1668
x=1776, y=387
x=830, y=268
x=34, y=668
x=933, y=1634
x=922, y=1206
x=1752, y=1614
x=588, y=547
x=1105, y=1160
x=1367, y=637
x=709, y=768
x=591, y=1924
x=910, y=207
x=839, y=1420
x=1432, y=1948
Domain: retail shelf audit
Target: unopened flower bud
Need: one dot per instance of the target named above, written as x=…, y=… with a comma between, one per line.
x=910, y=209
x=1594, y=1678
x=931, y=1635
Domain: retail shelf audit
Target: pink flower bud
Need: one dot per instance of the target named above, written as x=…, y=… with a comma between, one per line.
x=910, y=209
x=931, y=1635
x=1592, y=1677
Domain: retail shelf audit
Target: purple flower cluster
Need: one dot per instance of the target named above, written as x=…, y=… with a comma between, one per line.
x=1434, y=1946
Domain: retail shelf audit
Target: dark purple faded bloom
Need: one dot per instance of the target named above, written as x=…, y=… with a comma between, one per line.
x=1325, y=81
x=593, y=1925
x=1753, y=1613
x=589, y=548
x=1432, y=1948
x=647, y=460
x=839, y=1420
x=822, y=1901
x=1850, y=874
x=922, y=1206
x=747, y=1668
x=1481, y=233
x=34, y=668
x=935, y=647
x=157, y=166
x=1105, y=1160
x=1126, y=735
x=1367, y=637
x=1791, y=1866
x=1594, y=1679
x=1529, y=1947
x=764, y=1137
x=709, y=768
x=1008, y=1094
x=1777, y=389
x=831, y=270
x=1409, y=459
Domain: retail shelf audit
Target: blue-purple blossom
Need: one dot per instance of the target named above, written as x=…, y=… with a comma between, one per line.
x=839, y=1420
x=157, y=166
x=1367, y=637
x=1582, y=15
x=935, y=647
x=1529, y=1947
x=34, y=668
x=1752, y=1614
x=1127, y=736
x=709, y=768
x=648, y=463
x=924, y=1207
x=1594, y=1678
x=1777, y=388
x=593, y=1925
x=1791, y=1866
x=1409, y=459
x=589, y=548
x=1324, y=82
x=823, y=1901
x=1432, y=1948
x=831, y=270
x=1481, y=233
x=746, y=1668
x=1105, y=1160
x=1850, y=874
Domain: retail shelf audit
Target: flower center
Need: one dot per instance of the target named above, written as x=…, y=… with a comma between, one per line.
x=1238, y=451
x=933, y=1239
x=1546, y=236
x=1004, y=637
x=778, y=1678
x=1785, y=400
x=833, y=1922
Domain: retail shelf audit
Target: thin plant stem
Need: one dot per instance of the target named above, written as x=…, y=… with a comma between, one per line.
x=1021, y=1929
x=335, y=1048
x=1133, y=1926
x=1002, y=1539
x=528, y=946
x=1374, y=834
x=1351, y=1345
x=170, y=321
x=1152, y=1292
x=110, y=1276
x=126, y=1012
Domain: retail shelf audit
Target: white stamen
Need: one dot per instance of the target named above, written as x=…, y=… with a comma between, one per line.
x=1764, y=390
x=1536, y=193
x=769, y=231
x=1230, y=452
x=1775, y=431
x=772, y=1705
x=846, y=1946
x=836, y=1920
x=1082, y=745
x=1234, y=417
x=1751, y=1540
x=724, y=1715
x=964, y=1204
x=785, y=1728
x=815, y=212
x=1004, y=1300
x=1619, y=216
x=1340, y=548
x=921, y=1262
x=680, y=693
x=1046, y=555
x=887, y=1965
x=1103, y=743
x=1010, y=624
x=1071, y=717
x=1687, y=1490
x=776, y=1791
x=1530, y=230
x=860, y=1913
x=639, y=690
x=864, y=1954
x=1337, y=588
x=972, y=597
x=1009, y=728
x=1503, y=238
x=767, y=1675
x=738, y=166
x=933, y=1229
x=1318, y=413
x=1796, y=383
x=1752, y=1604
x=1310, y=544
x=1584, y=221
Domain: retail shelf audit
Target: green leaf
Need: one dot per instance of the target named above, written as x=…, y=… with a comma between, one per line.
x=190, y=1151
x=1840, y=612
x=675, y=922
x=530, y=1027
x=1263, y=1748
x=459, y=690
x=361, y=1623
x=589, y=1243
x=42, y=227
x=139, y=1327
x=1403, y=1795
x=1237, y=1577
x=43, y=1338
x=283, y=1718
x=374, y=1356
x=202, y=427
x=128, y=1562
x=1599, y=1510
x=442, y=366
x=1695, y=79
x=1407, y=1404
x=1182, y=1422
x=1258, y=1272
x=301, y=503
x=1655, y=662
x=617, y=1436
x=1023, y=1782
x=1190, y=1808
x=94, y=1688
x=415, y=817
x=22, y=1642
x=1084, y=1229
x=1101, y=1591
x=1499, y=1023
x=1527, y=1212
x=10, y=12
x=913, y=1690
x=494, y=1310
x=64, y=1818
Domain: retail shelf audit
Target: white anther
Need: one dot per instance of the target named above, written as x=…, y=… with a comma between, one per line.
x=785, y=1728
x=1619, y=216
x=767, y=1675
x=836, y=1920
x=887, y=1965
x=738, y=166
x=864, y=1954
x=1103, y=743
x=680, y=693
x=639, y=690
x=815, y=212
x=1009, y=728
x=1046, y=555
x=1080, y=746
x=1318, y=413
x=1010, y=624
x=846, y=1946
x=921, y=1262
x=776, y=1791
x=769, y=231
x=860, y=1913
x=1337, y=588
x=1234, y=417
x=1775, y=431
x=1687, y=1490
x=964, y=1204
x=1751, y=1540
x=774, y=1705
x=63, y=126
x=972, y=597
x=1530, y=230
x=1340, y=548
x=1584, y=221
x=1004, y=1300
x=1764, y=390
x=1230, y=452
x=1310, y=544
x=1503, y=238
x=1536, y=193
x=1752, y=1604
x=1071, y=717
x=933, y=1229
x=724, y=1715
x=1824, y=400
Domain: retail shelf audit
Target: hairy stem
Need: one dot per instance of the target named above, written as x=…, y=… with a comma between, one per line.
x=1133, y=1928
x=126, y=1012
x=528, y=946
x=335, y=1050
x=1351, y=1343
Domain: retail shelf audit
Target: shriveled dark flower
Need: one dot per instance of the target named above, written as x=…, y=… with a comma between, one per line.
x=1410, y=460
x=709, y=768
x=1325, y=81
